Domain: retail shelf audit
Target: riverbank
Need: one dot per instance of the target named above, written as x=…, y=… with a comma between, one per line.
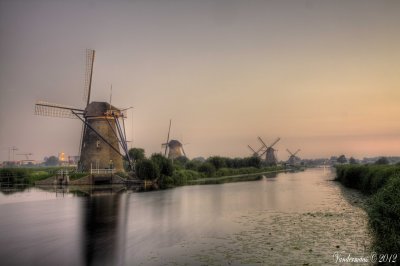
x=382, y=184
x=179, y=177
x=236, y=178
x=182, y=177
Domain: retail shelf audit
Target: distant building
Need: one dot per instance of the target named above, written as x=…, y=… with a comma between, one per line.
x=62, y=158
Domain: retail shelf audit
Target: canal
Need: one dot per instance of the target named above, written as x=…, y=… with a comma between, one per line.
x=298, y=218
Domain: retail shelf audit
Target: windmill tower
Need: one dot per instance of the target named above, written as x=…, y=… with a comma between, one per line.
x=174, y=147
x=269, y=151
x=293, y=159
x=103, y=131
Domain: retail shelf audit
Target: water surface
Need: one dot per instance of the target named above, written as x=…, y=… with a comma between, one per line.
x=292, y=218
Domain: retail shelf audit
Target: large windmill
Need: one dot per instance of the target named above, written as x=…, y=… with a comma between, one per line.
x=174, y=147
x=103, y=131
x=269, y=151
x=293, y=159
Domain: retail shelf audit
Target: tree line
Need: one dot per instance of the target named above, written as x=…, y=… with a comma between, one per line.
x=167, y=171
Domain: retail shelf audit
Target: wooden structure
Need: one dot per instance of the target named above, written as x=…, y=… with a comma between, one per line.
x=103, y=139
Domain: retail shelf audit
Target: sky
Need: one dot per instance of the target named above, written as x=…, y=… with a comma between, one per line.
x=324, y=76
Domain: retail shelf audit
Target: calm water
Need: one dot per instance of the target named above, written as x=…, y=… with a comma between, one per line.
x=292, y=218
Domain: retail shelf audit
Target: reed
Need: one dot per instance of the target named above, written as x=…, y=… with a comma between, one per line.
x=382, y=183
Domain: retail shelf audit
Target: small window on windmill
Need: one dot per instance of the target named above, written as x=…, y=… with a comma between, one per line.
x=98, y=144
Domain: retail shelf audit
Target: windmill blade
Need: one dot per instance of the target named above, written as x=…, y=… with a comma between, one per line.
x=263, y=143
x=262, y=153
x=252, y=149
x=56, y=110
x=289, y=151
x=260, y=149
x=276, y=141
x=296, y=152
x=88, y=75
x=166, y=146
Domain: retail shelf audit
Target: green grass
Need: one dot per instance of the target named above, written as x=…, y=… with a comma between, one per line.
x=33, y=174
x=246, y=170
x=183, y=177
x=75, y=176
x=382, y=183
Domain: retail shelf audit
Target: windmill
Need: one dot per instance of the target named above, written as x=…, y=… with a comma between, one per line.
x=256, y=153
x=103, y=129
x=269, y=151
x=293, y=159
x=174, y=147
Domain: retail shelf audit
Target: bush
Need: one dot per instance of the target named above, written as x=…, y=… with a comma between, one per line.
x=384, y=214
x=217, y=161
x=193, y=165
x=207, y=168
x=164, y=165
x=367, y=178
x=382, y=161
x=181, y=160
x=147, y=169
x=383, y=182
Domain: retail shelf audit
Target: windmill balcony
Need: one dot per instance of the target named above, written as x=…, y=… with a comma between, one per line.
x=102, y=171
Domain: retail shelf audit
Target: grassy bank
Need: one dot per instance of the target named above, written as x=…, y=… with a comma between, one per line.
x=382, y=183
x=236, y=178
x=31, y=175
x=182, y=177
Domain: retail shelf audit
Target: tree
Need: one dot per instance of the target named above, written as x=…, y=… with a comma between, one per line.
x=217, y=161
x=352, y=160
x=181, y=160
x=207, y=168
x=192, y=165
x=382, y=161
x=137, y=154
x=253, y=162
x=147, y=169
x=51, y=161
x=342, y=159
x=164, y=164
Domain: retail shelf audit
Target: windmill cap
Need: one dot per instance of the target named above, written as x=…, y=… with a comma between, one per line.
x=99, y=109
x=174, y=143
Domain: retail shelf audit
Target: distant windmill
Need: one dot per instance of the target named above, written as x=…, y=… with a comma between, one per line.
x=269, y=151
x=174, y=147
x=103, y=127
x=256, y=153
x=293, y=159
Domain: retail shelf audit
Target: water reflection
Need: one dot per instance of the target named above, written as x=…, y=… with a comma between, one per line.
x=8, y=189
x=235, y=223
x=104, y=214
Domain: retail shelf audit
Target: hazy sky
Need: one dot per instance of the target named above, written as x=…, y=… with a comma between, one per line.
x=322, y=75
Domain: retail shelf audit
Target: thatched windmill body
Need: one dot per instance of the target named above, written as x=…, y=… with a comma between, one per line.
x=293, y=158
x=173, y=147
x=103, y=135
x=269, y=151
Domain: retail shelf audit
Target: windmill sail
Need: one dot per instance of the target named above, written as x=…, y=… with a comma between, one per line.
x=56, y=110
x=88, y=75
x=166, y=144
